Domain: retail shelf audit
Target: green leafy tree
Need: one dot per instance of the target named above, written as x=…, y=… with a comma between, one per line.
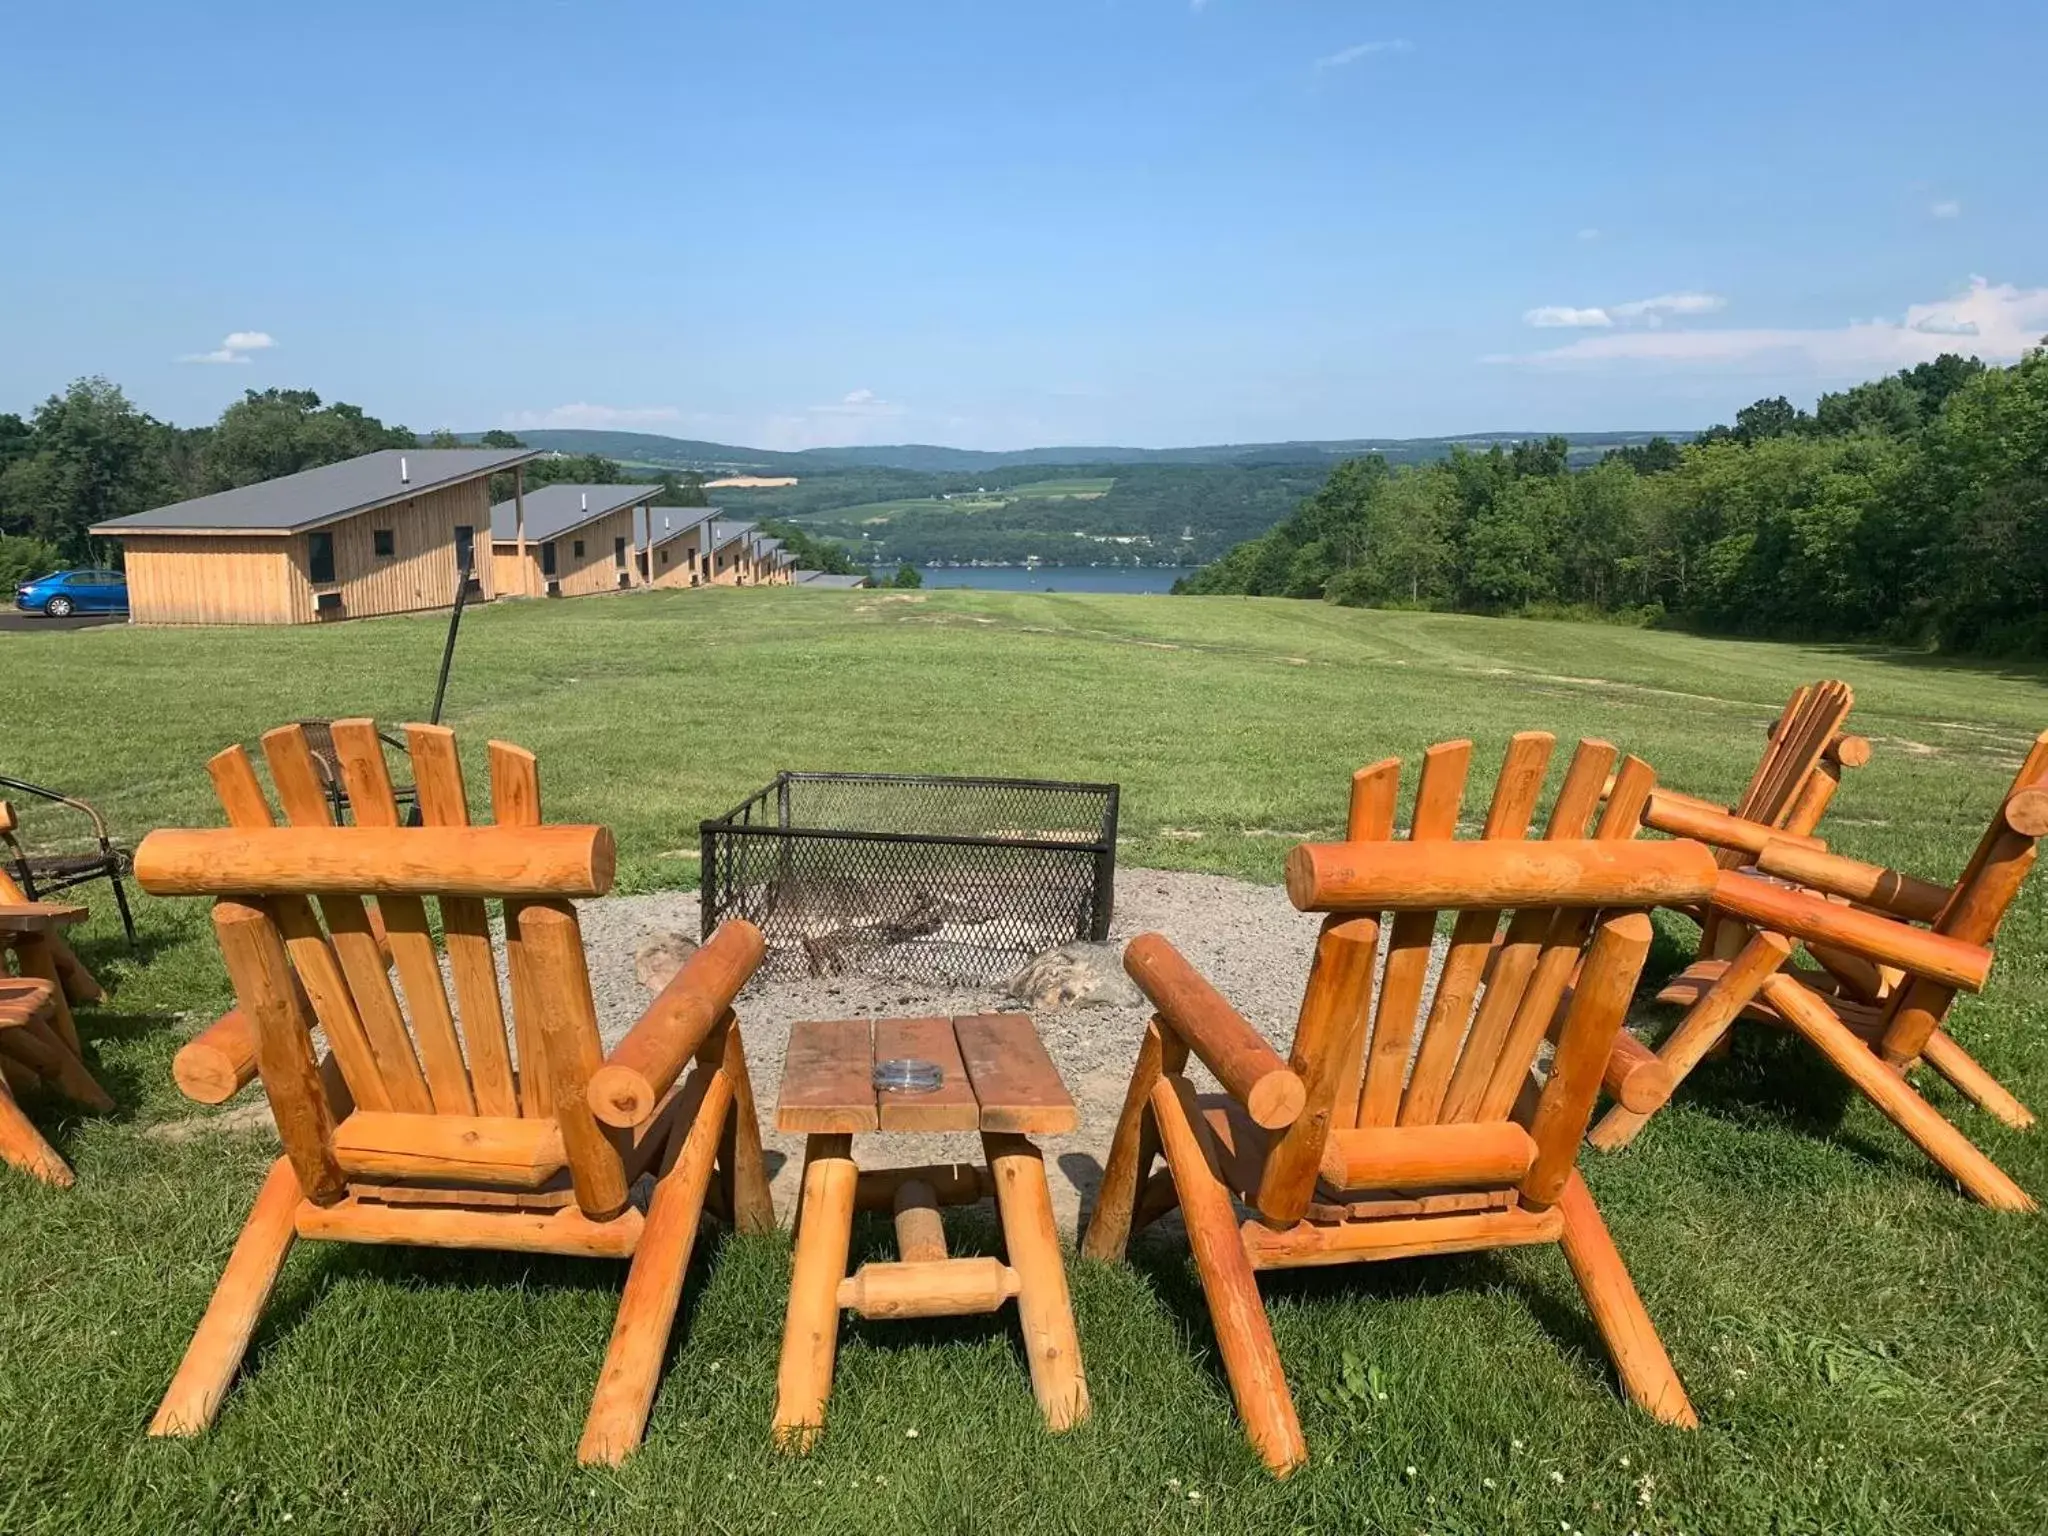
x=275, y=432
x=91, y=456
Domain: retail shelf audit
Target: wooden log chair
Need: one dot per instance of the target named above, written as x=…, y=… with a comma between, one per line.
x=1399, y=1129
x=1881, y=955
x=421, y=1126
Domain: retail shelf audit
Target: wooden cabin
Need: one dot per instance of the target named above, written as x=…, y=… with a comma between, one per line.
x=731, y=547
x=772, y=562
x=569, y=540
x=676, y=552
x=383, y=533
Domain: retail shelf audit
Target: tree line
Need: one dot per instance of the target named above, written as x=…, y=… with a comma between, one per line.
x=90, y=454
x=1912, y=509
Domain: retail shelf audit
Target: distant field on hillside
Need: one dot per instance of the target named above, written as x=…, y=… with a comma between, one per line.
x=1865, y=1348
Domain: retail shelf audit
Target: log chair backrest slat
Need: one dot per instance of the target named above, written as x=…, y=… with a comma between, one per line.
x=1812, y=718
x=1365, y=1060
x=412, y=1048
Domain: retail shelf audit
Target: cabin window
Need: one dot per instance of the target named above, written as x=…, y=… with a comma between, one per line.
x=664, y=557
x=384, y=542
x=619, y=553
x=576, y=549
x=547, y=558
x=465, y=547
x=320, y=557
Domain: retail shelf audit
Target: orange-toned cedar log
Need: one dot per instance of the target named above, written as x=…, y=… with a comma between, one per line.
x=1116, y=1197
x=752, y=1206
x=1625, y=1327
x=218, y=1062
x=1681, y=816
x=1370, y=819
x=1897, y=892
x=654, y=1285
x=1961, y=1068
x=810, y=1328
x=1848, y=751
x=59, y=1065
x=1425, y=1156
x=552, y=954
x=1392, y=876
x=643, y=1066
x=939, y=1288
x=22, y=1145
x=951, y=1183
x=1802, y=915
x=1634, y=1077
x=1599, y=1004
x=216, y=1350
x=1045, y=1309
x=553, y=861
x=567, y=1232
x=267, y=992
x=920, y=1231
x=1333, y=1013
x=1244, y=1336
x=515, y=802
x=1313, y=1246
x=1247, y=1067
x=1892, y=1094
x=499, y=1152
x=1706, y=1023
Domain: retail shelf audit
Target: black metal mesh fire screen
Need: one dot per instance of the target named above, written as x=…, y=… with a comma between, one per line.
x=913, y=877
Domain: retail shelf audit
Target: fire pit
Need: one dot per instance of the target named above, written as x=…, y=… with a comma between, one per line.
x=922, y=878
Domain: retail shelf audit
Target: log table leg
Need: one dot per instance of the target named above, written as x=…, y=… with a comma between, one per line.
x=1044, y=1307
x=810, y=1334
x=22, y=1145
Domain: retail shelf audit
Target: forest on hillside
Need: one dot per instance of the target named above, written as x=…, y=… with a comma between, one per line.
x=1911, y=509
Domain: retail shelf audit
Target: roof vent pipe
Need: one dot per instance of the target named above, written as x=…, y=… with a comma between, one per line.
x=584, y=499
x=404, y=474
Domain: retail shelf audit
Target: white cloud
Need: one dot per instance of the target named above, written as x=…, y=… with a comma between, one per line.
x=589, y=417
x=1996, y=321
x=1589, y=233
x=1947, y=208
x=235, y=347
x=1597, y=317
x=858, y=402
x=1359, y=51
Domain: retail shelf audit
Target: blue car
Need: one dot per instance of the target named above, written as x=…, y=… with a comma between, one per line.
x=67, y=592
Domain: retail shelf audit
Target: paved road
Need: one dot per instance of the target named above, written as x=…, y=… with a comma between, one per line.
x=14, y=618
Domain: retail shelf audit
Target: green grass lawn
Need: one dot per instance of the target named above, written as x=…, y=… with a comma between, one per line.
x=1865, y=1347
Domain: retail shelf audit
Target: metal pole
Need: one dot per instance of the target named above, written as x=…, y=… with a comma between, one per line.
x=448, y=650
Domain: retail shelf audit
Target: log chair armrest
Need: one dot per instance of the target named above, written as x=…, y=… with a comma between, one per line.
x=1249, y=1069
x=1683, y=816
x=1800, y=914
x=644, y=1066
x=218, y=1062
x=1872, y=885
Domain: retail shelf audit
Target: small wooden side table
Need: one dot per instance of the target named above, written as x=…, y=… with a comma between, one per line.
x=997, y=1079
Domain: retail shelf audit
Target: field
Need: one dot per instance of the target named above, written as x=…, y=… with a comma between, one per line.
x=1868, y=1351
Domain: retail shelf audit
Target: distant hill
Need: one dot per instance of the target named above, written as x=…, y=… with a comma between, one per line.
x=686, y=453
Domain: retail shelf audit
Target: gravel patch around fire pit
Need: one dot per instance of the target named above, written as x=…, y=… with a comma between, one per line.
x=1245, y=938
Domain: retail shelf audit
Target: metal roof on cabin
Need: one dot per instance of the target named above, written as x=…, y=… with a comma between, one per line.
x=553, y=510
x=684, y=519
x=723, y=534
x=315, y=496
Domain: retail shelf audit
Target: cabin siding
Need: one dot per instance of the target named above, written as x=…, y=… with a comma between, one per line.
x=267, y=579
x=678, y=560
x=596, y=570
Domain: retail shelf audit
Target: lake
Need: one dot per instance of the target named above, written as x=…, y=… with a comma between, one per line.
x=1054, y=578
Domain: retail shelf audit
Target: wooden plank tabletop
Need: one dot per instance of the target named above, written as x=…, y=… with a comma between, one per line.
x=997, y=1077
x=1015, y=1081
x=949, y=1107
x=38, y=916
x=828, y=1078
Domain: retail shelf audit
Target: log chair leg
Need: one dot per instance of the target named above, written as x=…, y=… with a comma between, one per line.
x=1891, y=1093
x=1131, y=1151
x=1251, y=1359
x=60, y=1066
x=654, y=1287
x=1625, y=1327
x=1045, y=1307
x=810, y=1333
x=1705, y=1027
x=1973, y=1082
x=753, y=1206
x=39, y=960
x=216, y=1350
x=22, y=1144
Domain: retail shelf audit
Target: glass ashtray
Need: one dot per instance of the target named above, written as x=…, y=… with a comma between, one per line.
x=906, y=1074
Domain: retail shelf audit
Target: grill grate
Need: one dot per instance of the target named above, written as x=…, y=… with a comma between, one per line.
x=916, y=878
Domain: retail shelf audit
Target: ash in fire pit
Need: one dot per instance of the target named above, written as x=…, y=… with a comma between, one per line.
x=912, y=877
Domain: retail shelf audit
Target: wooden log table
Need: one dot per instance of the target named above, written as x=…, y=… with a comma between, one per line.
x=996, y=1079
x=38, y=1040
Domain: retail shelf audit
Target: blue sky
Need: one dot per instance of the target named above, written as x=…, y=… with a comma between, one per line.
x=1142, y=221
